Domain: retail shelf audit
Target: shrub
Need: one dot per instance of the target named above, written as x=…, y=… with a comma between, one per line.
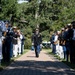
x=27, y=44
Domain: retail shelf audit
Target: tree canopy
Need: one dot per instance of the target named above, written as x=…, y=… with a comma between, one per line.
x=49, y=15
x=8, y=7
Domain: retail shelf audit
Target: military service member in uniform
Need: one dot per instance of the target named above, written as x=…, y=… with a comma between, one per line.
x=37, y=42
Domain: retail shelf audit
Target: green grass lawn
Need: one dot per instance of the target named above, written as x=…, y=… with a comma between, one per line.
x=5, y=64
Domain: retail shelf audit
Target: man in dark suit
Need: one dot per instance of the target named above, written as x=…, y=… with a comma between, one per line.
x=72, y=42
x=67, y=41
x=37, y=42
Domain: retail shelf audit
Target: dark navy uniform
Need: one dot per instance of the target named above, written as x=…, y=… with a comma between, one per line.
x=71, y=33
x=9, y=37
x=37, y=40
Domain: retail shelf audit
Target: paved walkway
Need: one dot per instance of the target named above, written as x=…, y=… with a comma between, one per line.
x=46, y=64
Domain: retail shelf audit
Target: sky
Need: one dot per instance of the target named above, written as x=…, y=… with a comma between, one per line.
x=21, y=1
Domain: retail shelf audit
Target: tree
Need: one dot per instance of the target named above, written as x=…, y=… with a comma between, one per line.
x=51, y=15
x=8, y=8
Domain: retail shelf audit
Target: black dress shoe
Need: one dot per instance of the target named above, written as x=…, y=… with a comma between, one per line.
x=37, y=56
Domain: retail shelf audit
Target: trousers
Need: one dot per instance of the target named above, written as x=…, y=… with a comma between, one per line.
x=37, y=50
x=19, y=48
x=15, y=50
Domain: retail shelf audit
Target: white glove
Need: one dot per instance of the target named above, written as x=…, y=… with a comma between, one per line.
x=41, y=45
x=3, y=38
x=32, y=43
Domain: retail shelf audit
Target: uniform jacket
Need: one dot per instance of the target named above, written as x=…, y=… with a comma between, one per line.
x=36, y=39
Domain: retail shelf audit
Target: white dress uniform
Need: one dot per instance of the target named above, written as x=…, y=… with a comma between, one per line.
x=2, y=29
x=19, y=44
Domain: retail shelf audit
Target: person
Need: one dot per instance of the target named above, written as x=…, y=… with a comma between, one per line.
x=19, y=41
x=22, y=43
x=72, y=42
x=2, y=30
x=67, y=41
x=62, y=41
x=15, y=42
x=37, y=42
x=52, y=42
x=9, y=45
x=56, y=42
x=10, y=32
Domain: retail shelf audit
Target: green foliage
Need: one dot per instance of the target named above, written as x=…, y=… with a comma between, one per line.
x=45, y=35
x=8, y=8
x=28, y=32
x=27, y=43
x=50, y=15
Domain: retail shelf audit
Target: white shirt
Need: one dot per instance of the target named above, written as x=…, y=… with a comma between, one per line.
x=56, y=38
x=19, y=39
